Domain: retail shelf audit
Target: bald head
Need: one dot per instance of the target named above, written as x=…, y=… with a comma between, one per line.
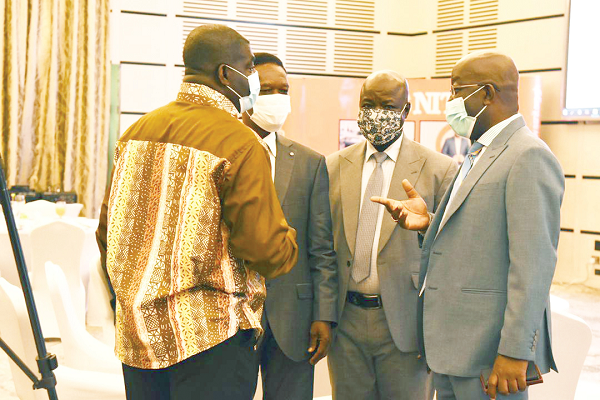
x=209, y=46
x=492, y=68
x=384, y=89
x=497, y=78
x=487, y=67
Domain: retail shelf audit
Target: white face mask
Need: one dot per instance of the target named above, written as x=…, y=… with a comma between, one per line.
x=271, y=111
x=247, y=102
x=457, y=117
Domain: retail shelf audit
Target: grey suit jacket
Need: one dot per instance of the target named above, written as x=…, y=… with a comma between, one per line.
x=309, y=292
x=399, y=253
x=490, y=266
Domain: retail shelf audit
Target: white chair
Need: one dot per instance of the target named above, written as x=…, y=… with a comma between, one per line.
x=99, y=312
x=559, y=304
x=72, y=384
x=81, y=350
x=72, y=210
x=62, y=243
x=39, y=209
x=571, y=340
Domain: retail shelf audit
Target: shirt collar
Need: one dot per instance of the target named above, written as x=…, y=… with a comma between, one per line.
x=392, y=152
x=271, y=141
x=206, y=96
x=488, y=137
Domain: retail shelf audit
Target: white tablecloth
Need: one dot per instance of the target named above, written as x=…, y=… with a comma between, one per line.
x=8, y=269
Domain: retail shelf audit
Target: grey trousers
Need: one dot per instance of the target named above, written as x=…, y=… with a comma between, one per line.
x=365, y=364
x=458, y=388
x=282, y=378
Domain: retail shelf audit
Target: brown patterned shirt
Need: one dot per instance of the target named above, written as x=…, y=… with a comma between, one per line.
x=189, y=222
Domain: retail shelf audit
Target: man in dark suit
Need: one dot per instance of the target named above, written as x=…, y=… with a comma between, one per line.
x=374, y=354
x=301, y=306
x=489, y=252
x=456, y=147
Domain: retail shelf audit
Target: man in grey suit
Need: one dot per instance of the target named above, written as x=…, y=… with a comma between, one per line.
x=374, y=354
x=302, y=305
x=489, y=252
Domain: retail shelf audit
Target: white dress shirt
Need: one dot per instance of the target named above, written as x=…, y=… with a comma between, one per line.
x=271, y=141
x=371, y=284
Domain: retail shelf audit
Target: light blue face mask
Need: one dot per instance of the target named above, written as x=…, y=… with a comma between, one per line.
x=247, y=102
x=457, y=117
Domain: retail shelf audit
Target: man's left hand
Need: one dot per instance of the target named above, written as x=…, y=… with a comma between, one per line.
x=320, y=338
x=508, y=376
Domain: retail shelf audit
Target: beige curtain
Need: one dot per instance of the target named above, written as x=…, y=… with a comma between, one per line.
x=55, y=96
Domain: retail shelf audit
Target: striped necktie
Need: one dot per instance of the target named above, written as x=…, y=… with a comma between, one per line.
x=468, y=164
x=367, y=222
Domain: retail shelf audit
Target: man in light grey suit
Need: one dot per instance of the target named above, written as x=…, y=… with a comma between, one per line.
x=302, y=305
x=374, y=354
x=490, y=251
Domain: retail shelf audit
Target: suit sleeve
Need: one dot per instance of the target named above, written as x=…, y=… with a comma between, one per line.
x=259, y=233
x=321, y=256
x=534, y=191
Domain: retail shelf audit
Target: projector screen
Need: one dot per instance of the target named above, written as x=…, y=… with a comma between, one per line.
x=582, y=83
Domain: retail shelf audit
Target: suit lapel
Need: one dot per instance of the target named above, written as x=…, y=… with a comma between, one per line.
x=351, y=166
x=488, y=158
x=284, y=165
x=408, y=166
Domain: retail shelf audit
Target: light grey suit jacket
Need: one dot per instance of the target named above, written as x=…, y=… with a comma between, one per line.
x=398, y=249
x=490, y=266
x=309, y=291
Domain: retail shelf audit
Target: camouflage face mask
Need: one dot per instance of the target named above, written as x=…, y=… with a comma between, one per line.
x=380, y=126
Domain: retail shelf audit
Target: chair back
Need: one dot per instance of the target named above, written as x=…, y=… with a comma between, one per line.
x=100, y=313
x=80, y=349
x=15, y=330
x=571, y=340
x=39, y=209
x=72, y=384
x=73, y=209
x=61, y=243
x=69, y=327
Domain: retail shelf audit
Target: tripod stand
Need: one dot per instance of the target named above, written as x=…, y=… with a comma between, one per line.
x=46, y=362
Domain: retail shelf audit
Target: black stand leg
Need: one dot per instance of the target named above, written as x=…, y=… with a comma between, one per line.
x=46, y=362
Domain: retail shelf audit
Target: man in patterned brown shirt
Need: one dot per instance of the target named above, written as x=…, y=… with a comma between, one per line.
x=190, y=223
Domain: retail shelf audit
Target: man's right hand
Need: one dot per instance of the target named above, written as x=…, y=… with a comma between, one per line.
x=411, y=214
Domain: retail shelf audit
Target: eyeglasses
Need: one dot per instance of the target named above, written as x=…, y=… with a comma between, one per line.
x=454, y=88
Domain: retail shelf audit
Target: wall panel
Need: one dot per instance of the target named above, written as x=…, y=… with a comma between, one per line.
x=144, y=38
x=148, y=6
x=589, y=153
x=144, y=88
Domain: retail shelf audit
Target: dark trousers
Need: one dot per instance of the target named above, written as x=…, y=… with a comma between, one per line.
x=226, y=371
x=282, y=377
